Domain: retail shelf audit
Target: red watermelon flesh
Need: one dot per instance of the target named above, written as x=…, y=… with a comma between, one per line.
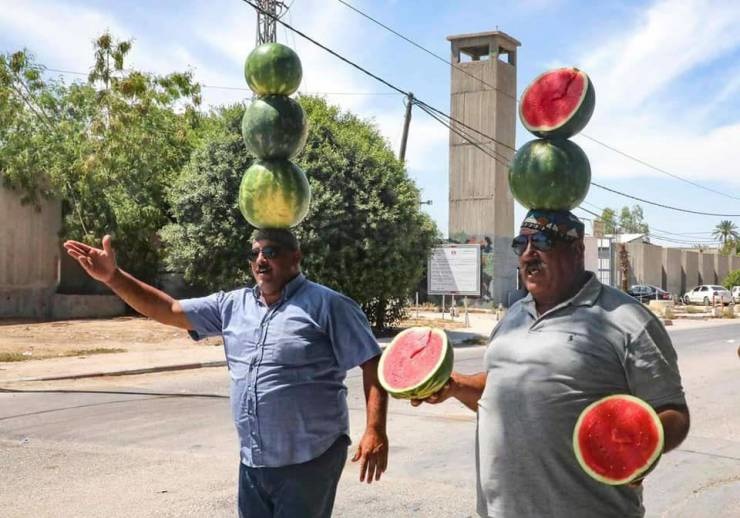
x=618, y=438
x=413, y=359
x=417, y=363
x=558, y=103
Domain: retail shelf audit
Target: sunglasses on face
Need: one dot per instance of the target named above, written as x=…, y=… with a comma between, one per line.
x=540, y=241
x=268, y=252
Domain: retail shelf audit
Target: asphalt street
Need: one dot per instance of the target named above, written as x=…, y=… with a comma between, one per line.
x=163, y=445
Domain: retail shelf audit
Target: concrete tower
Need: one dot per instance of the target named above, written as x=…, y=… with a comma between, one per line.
x=483, y=98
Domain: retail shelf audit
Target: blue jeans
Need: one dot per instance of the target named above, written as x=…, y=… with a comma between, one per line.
x=297, y=491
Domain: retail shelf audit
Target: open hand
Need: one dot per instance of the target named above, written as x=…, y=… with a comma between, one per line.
x=372, y=452
x=99, y=264
x=441, y=395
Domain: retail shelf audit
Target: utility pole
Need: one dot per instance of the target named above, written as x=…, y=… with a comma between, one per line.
x=406, y=124
x=268, y=12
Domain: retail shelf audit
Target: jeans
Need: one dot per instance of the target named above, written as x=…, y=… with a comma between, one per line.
x=296, y=491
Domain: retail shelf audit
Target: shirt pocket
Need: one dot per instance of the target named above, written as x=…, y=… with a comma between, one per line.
x=299, y=342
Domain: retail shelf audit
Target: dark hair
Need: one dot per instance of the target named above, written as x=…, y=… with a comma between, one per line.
x=281, y=236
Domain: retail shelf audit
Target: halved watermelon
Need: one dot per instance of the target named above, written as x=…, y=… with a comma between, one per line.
x=416, y=364
x=617, y=439
x=558, y=103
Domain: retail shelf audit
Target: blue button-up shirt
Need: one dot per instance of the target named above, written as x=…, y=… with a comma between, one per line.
x=287, y=364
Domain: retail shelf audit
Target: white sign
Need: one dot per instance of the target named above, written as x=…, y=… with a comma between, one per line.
x=454, y=270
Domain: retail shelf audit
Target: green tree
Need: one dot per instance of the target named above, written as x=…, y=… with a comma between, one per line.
x=732, y=279
x=108, y=147
x=631, y=220
x=609, y=217
x=725, y=231
x=364, y=235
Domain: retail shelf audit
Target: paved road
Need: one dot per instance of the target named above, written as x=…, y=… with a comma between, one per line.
x=163, y=445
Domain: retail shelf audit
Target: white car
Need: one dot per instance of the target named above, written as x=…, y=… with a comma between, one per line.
x=736, y=294
x=708, y=294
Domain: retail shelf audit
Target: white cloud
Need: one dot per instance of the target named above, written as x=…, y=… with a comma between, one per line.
x=638, y=74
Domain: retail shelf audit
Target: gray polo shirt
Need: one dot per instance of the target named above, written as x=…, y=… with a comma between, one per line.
x=543, y=370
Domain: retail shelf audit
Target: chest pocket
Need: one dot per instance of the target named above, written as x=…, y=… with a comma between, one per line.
x=299, y=342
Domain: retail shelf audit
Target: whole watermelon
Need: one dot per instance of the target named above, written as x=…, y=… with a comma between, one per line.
x=274, y=194
x=274, y=126
x=550, y=175
x=273, y=69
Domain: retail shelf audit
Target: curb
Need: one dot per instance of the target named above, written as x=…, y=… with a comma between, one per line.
x=128, y=372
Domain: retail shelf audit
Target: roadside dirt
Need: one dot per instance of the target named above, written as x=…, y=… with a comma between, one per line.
x=26, y=340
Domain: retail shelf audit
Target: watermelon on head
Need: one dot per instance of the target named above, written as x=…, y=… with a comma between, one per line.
x=274, y=194
x=416, y=364
x=550, y=175
x=273, y=69
x=558, y=103
x=274, y=126
x=618, y=439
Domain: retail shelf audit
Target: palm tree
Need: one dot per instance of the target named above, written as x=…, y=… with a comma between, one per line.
x=725, y=231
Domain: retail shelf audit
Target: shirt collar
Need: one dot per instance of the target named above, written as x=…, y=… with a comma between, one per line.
x=289, y=289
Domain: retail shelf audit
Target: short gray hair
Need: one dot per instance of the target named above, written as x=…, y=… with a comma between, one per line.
x=281, y=236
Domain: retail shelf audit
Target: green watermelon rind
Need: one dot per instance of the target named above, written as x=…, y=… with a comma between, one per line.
x=550, y=174
x=274, y=126
x=274, y=194
x=436, y=378
x=639, y=472
x=572, y=125
x=273, y=69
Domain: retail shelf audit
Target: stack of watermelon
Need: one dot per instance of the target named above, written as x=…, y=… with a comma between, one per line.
x=553, y=173
x=274, y=192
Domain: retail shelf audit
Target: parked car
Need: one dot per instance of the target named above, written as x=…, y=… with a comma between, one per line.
x=708, y=294
x=736, y=294
x=648, y=292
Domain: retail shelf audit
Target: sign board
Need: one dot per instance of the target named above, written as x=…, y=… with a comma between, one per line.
x=454, y=270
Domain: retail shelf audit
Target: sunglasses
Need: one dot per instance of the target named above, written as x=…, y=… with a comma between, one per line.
x=269, y=252
x=541, y=241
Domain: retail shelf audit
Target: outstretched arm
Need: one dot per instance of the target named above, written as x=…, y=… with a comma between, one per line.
x=101, y=265
x=372, y=452
x=466, y=388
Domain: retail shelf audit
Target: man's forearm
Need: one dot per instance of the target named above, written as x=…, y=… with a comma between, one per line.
x=468, y=388
x=376, y=399
x=148, y=300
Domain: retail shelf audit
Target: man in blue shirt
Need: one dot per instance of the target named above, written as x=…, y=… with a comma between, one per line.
x=288, y=344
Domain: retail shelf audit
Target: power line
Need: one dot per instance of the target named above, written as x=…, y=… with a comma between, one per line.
x=646, y=164
x=688, y=211
x=437, y=56
x=367, y=72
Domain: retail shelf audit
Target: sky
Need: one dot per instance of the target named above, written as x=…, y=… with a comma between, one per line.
x=666, y=74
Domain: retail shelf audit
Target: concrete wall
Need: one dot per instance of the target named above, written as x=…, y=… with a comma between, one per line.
x=646, y=263
x=721, y=267
x=690, y=266
x=706, y=268
x=734, y=263
x=672, y=271
x=29, y=256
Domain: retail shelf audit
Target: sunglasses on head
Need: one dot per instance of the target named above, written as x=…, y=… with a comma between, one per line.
x=542, y=241
x=269, y=252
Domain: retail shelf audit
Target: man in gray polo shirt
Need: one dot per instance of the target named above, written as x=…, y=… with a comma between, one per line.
x=568, y=343
x=289, y=343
